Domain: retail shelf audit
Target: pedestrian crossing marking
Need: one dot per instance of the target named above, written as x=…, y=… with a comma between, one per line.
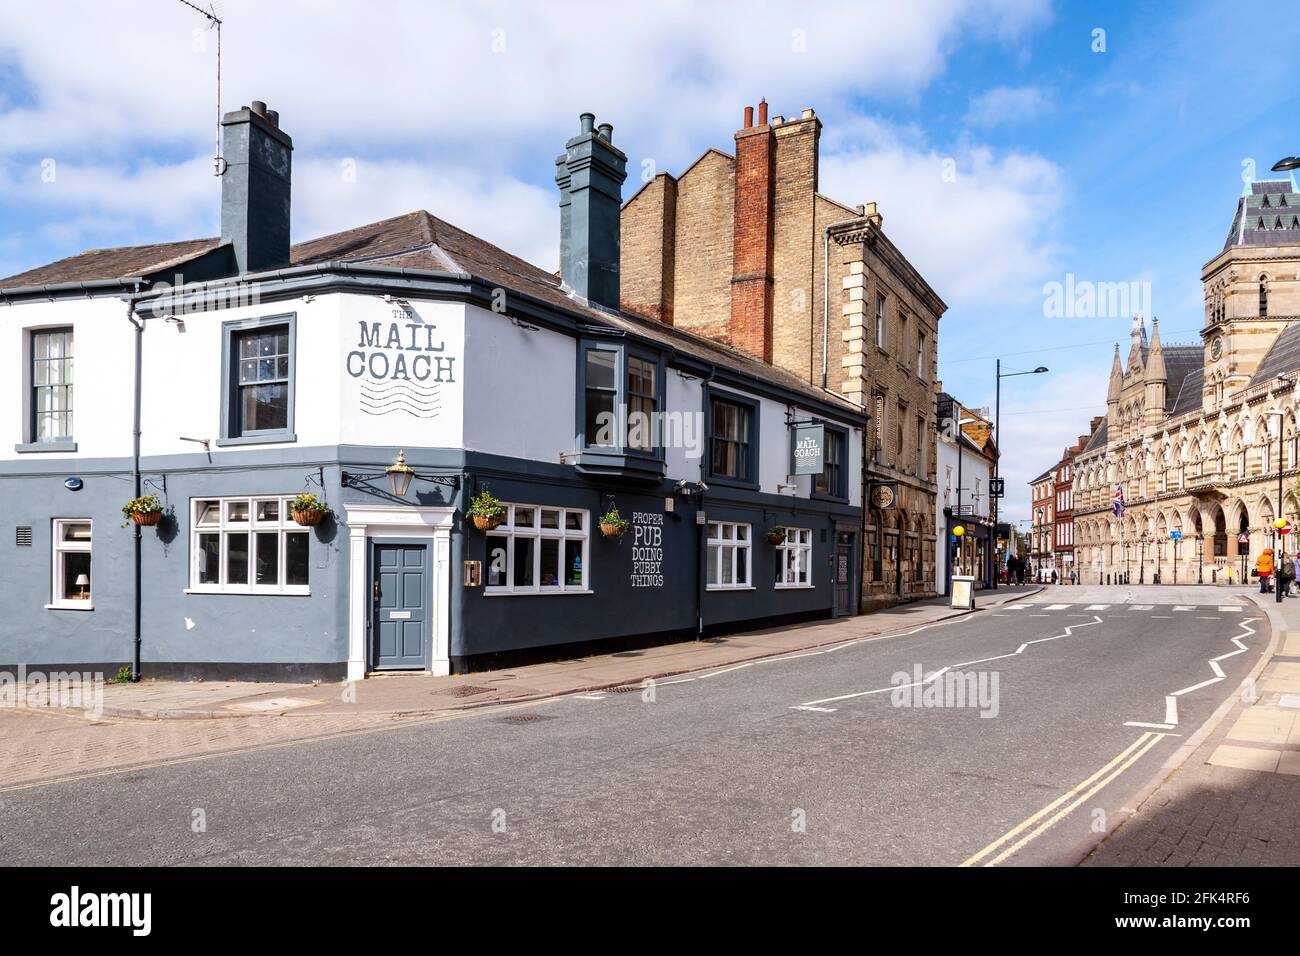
x=1096, y=607
x=1229, y=609
x=1184, y=607
x=1142, y=607
x=1015, y=607
x=1056, y=607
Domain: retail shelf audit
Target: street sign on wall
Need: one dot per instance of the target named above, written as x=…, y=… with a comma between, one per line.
x=808, y=448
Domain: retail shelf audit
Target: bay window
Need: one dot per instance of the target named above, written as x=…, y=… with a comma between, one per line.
x=248, y=546
x=538, y=550
x=619, y=400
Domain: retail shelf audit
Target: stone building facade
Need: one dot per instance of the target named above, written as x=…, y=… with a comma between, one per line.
x=744, y=250
x=1196, y=436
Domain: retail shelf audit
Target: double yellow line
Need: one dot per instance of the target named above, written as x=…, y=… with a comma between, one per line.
x=1063, y=805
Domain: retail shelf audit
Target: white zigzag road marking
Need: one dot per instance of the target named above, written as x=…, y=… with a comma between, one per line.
x=810, y=704
x=1171, y=699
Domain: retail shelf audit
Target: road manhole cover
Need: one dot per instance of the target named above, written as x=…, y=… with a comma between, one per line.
x=467, y=690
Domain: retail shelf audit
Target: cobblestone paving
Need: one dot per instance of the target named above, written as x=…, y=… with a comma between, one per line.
x=37, y=746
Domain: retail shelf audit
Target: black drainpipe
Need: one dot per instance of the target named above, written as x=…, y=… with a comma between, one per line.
x=138, y=324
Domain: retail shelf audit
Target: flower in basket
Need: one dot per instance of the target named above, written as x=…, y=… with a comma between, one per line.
x=308, y=510
x=145, y=510
x=776, y=534
x=612, y=524
x=486, y=511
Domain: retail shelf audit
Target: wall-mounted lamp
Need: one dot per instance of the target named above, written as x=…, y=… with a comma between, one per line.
x=400, y=475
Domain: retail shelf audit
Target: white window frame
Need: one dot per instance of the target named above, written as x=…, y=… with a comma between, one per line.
x=59, y=547
x=533, y=537
x=728, y=550
x=284, y=525
x=799, y=542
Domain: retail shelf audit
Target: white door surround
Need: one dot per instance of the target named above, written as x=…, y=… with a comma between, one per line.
x=398, y=521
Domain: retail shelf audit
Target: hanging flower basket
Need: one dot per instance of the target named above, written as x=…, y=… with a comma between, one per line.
x=612, y=524
x=486, y=510
x=487, y=522
x=308, y=510
x=146, y=510
x=776, y=535
x=309, y=518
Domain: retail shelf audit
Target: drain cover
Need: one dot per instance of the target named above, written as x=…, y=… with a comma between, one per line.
x=467, y=690
x=623, y=689
x=526, y=718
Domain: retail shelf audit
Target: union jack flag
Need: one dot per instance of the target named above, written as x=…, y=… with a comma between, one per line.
x=1119, y=501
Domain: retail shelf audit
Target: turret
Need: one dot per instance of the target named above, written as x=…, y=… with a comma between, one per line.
x=1113, y=392
x=1156, y=379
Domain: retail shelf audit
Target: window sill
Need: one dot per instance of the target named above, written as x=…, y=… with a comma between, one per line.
x=46, y=447
x=716, y=587
x=502, y=592
x=732, y=482
x=71, y=606
x=795, y=587
x=268, y=439
x=301, y=592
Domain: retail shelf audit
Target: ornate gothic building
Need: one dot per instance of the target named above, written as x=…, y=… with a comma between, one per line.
x=1197, y=435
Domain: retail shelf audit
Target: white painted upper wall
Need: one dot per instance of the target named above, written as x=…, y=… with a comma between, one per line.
x=366, y=372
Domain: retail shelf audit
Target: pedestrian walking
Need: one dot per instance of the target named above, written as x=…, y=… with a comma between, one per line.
x=1285, y=576
x=1264, y=568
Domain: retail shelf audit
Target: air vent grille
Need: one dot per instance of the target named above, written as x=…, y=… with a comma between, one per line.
x=23, y=537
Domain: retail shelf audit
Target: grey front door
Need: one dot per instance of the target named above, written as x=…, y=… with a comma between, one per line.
x=400, y=623
x=843, y=573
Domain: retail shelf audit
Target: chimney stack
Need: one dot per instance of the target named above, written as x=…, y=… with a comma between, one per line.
x=750, y=328
x=590, y=175
x=255, y=187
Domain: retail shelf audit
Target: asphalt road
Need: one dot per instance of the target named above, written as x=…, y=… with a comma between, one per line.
x=816, y=758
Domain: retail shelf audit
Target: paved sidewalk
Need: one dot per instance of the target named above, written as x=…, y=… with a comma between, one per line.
x=421, y=694
x=1235, y=798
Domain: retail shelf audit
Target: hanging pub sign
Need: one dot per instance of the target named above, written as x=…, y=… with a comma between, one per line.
x=884, y=494
x=808, y=448
x=997, y=487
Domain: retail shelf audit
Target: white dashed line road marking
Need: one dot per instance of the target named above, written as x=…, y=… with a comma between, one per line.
x=1142, y=607
x=1096, y=607
x=1184, y=607
x=1056, y=607
x=1229, y=609
x=1015, y=607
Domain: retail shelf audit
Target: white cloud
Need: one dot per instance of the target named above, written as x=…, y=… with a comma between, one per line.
x=1006, y=104
x=455, y=108
x=976, y=223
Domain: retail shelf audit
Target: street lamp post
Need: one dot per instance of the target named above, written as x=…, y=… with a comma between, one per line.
x=997, y=441
x=1142, y=557
x=1280, y=523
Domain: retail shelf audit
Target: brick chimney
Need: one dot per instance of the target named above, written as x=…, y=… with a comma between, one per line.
x=590, y=175
x=255, y=187
x=750, y=328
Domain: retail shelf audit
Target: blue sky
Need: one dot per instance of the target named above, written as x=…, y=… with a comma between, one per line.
x=1004, y=152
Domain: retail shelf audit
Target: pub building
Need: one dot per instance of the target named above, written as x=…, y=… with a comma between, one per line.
x=397, y=371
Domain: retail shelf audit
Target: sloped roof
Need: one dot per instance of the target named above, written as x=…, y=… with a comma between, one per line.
x=125, y=262
x=419, y=240
x=1282, y=356
x=1188, y=397
x=1097, y=440
x=1268, y=214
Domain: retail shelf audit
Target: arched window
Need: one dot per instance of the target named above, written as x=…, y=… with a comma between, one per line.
x=1263, y=293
